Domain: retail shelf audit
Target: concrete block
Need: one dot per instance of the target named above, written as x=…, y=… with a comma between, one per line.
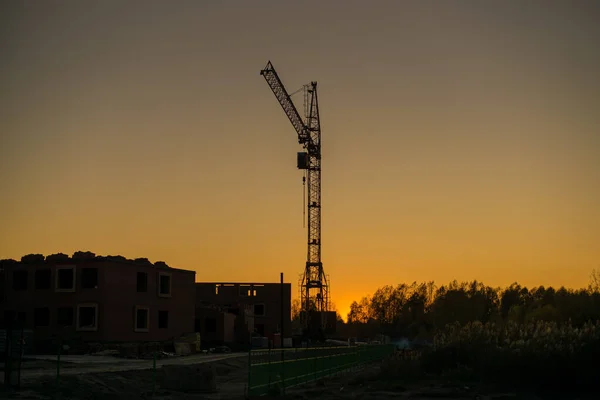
x=182, y=349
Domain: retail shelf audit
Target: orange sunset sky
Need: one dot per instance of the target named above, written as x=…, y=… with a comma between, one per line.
x=461, y=139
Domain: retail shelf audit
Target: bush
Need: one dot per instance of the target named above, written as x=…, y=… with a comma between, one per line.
x=537, y=353
x=394, y=369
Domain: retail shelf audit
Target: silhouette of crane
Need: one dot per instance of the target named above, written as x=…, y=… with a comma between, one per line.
x=314, y=288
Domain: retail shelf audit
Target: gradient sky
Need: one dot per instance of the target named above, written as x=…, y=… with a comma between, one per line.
x=461, y=139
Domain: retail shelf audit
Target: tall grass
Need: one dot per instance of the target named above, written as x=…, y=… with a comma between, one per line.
x=533, y=354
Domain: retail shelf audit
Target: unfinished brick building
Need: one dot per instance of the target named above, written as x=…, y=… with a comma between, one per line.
x=103, y=299
x=258, y=304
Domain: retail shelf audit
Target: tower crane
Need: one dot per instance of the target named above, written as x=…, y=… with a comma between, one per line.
x=314, y=287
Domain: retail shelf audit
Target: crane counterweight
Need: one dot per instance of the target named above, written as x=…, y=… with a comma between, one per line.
x=303, y=160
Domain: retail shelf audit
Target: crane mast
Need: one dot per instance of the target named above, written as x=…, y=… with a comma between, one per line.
x=314, y=288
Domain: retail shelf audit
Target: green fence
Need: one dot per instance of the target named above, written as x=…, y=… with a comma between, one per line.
x=284, y=368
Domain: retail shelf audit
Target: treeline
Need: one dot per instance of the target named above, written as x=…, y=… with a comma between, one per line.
x=539, y=338
x=421, y=310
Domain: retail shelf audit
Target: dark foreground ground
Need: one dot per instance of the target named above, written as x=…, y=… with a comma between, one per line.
x=372, y=383
x=103, y=382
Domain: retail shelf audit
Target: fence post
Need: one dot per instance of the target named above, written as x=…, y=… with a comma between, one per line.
x=249, y=373
x=8, y=351
x=21, y=353
x=315, y=368
x=154, y=374
x=269, y=368
x=58, y=362
x=282, y=370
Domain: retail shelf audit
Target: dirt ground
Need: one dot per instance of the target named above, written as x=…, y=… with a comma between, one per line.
x=368, y=385
x=231, y=377
x=46, y=365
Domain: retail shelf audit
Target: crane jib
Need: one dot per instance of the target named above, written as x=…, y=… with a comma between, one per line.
x=286, y=103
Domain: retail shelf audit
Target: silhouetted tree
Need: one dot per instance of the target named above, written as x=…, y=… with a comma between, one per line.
x=295, y=310
x=419, y=310
x=57, y=258
x=594, y=285
x=83, y=255
x=33, y=259
x=359, y=312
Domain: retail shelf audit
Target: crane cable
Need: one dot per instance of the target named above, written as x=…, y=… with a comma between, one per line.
x=304, y=200
x=298, y=91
